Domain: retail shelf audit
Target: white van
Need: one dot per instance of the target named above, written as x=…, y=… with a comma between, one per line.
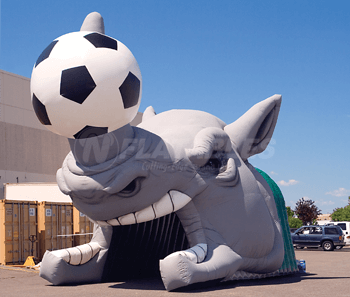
x=346, y=230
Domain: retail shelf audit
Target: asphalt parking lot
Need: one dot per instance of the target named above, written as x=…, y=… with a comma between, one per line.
x=327, y=274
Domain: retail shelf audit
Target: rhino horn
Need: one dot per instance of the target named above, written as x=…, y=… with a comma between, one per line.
x=93, y=22
x=252, y=132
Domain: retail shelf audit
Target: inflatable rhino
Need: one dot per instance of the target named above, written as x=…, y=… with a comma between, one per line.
x=183, y=161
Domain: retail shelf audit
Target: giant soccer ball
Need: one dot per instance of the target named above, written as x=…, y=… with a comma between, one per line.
x=85, y=84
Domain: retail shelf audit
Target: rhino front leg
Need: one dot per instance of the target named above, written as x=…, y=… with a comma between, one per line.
x=81, y=264
x=179, y=271
x=200, y=263
x=191, y=222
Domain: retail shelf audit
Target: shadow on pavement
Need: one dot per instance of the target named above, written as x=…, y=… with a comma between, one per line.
x=156, y=283
x=141, y=284
x=318, y=249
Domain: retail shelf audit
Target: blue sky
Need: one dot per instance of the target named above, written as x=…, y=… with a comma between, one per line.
x=223, y=57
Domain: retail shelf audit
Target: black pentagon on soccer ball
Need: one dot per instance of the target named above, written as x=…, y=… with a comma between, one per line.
x=100, y=40
x=46, y=53
x=40, y=111
x=76, y=84
x=90, y=131
x=130, y=90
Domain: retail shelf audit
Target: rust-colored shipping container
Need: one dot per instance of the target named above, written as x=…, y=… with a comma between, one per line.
x=18, y=231
x=55, y=226
x=83, y=228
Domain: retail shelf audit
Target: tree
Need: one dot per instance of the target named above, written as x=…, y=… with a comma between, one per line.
x=307, y=211
x=341, y=214
x=290, y=212
x=292, y=221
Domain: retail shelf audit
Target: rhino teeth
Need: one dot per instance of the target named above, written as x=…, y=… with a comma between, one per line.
x=170, y=202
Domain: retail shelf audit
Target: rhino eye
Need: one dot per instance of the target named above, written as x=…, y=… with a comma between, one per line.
x=132, y=188
x=215, y=164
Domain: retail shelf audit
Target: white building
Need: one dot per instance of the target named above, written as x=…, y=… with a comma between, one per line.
x=28, y=151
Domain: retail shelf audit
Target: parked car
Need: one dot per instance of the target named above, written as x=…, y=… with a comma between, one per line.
x=346, y=230
x=328, y=237
x=292, y=230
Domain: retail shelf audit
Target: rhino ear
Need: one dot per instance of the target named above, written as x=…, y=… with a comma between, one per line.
x=252, y=132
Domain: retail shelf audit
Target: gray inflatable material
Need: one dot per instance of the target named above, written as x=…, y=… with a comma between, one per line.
x=183, y=161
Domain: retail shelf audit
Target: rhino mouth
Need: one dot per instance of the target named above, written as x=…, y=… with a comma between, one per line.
x=170, y=202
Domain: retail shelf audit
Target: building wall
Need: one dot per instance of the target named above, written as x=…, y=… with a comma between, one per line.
x=15, y=104
x=28, y=151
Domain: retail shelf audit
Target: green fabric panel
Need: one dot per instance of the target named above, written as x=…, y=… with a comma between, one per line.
x=289, y=262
